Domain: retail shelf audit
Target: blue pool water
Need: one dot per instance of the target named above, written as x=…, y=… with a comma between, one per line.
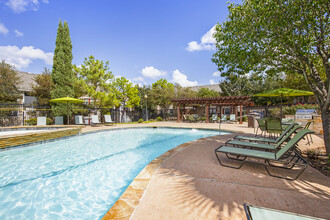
x=83, y=176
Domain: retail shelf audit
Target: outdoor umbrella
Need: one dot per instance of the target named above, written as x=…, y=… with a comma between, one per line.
x=67, y=100
x=284, y=92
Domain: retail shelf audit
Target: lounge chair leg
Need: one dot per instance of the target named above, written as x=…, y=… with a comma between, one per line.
x=237, y=157
x=222, y=164
x=304, y=166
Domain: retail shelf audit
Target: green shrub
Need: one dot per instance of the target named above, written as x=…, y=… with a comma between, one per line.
x=159, y=119
x=244, y=118
x=203, y=118
x=33, y=121
x=291, y=110
x=140, y=120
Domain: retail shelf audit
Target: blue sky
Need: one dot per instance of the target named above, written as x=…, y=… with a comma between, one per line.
x=143, y=40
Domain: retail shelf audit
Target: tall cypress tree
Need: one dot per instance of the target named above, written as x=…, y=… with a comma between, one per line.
x=62, y=73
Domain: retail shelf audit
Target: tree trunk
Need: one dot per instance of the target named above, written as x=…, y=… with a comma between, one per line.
x=325, y=115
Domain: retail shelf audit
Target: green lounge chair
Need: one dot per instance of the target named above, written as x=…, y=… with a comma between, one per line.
x=269, y=157
x=264, y=146
x=267, y=140
x=261, y=126
x=261, y=213
x=273, y=126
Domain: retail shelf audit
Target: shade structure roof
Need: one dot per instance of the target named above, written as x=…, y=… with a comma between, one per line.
x=67, y=100
x=222, y=100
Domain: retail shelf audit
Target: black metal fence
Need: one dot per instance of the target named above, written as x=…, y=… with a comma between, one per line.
x=19, y=114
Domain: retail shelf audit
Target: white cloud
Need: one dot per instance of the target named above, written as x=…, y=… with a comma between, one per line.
x=3, y=29
x=212, y=82
x=182, y=79
x=139, y=79
x=19, y=6
x=21, y=58
x=207, y=42
x=216, y=74
x=152, y=72
x=18, y=33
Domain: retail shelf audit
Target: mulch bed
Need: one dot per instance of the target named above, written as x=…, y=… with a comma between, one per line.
x=319, y=162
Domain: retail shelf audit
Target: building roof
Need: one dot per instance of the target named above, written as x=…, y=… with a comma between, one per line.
x=214, y=87
x=27, y=80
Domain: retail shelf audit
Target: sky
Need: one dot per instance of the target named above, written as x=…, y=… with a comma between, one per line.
x=143, y=40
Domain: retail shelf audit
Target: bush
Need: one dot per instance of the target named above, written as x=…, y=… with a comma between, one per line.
x=291, y=110
x=159, y=119
x=33, y=121
x=244, y=118
x=203, y=118
x=140, y=120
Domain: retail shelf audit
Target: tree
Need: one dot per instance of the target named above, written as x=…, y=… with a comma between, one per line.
x=184, y=92
x=144, y=91
x=94, y=79
x=161, y=93
x=9, y=81
x=274, y=36
x=62, y=74
x=126, y=93
x=42, y=88
x=206, y=92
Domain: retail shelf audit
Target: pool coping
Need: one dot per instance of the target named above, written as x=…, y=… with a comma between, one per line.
x=127, y=203
x=32, y=138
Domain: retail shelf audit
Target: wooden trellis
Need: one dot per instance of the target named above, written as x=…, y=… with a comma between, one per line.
x=233, y=101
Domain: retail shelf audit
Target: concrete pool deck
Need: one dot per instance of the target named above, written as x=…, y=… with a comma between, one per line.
x=188, y=183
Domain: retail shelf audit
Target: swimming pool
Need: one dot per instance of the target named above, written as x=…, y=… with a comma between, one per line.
x=83, y=176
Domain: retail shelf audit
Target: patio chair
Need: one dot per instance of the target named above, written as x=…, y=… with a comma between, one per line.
x=95, y=120
x=41, y=121
x=59, y=120
x=273, y=126
x=267, y=140
x=307, y=127
x=232, y=117
x=269, y=157
x=261, y=126
x=215, y=118
x=277, y=145
x=223, y=118
x=78, y=119
x=108, y=120
x=196, y=117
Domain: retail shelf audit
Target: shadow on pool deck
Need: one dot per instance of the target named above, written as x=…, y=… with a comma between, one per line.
x=192, y=185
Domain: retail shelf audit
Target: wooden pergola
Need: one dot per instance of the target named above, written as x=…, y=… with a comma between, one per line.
x=219, y=102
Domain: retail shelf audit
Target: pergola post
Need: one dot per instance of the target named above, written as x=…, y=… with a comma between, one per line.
x=236, y=111
x=220, y=110
x=207, y=112
x=178, y=113
x=241, y=114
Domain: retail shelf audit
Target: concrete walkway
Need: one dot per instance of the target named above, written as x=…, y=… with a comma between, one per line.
x=192, y=185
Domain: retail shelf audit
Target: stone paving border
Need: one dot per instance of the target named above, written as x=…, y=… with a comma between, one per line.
x=22, y=140
x=130, y=199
